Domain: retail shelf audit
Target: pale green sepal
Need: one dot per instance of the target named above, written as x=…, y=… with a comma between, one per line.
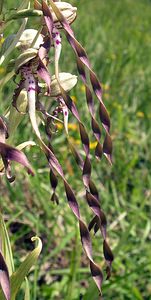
x=25, y=144
x=6, y=246
x=25, y=57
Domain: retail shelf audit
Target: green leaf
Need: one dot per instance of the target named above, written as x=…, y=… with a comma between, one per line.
x=23, y=5
x=6, y=246
x=25, y=13
x=6, y=78
x=18, y=277
x=14, y=41
x=8, y=41
x=92, y=292
x=1, y=6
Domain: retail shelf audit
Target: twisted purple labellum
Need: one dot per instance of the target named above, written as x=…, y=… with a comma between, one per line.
x=108, y=256
x=85, y=236
x=4, y=277
x=69, y=103
x=86, y=166
x=99, y=221
x=54, y=183
x=30, y=85
x=82, y=61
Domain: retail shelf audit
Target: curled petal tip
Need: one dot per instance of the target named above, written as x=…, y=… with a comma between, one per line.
x=30, y=172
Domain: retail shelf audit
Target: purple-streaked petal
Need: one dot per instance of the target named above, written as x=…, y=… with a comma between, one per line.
x=96, y=274
x=47, y=16
x=86, y=172
x=43, y=73
x=11, y=154
x=109, y=258
x=4, y=278
x=44, y=49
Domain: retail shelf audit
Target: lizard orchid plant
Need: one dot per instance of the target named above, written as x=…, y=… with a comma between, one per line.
x=36, y=81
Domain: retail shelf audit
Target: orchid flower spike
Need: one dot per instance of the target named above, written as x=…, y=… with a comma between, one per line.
x=37, y=81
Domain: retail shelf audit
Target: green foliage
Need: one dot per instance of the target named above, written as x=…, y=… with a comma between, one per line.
x=117, y=37
x=17, y=277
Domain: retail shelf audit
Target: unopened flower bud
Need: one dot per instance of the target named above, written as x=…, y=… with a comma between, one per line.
x=25, y=57
x=27, y=38
x=67, y=81
x=68, y=11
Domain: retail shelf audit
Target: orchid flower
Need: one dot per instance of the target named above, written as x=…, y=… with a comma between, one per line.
x=33, y=67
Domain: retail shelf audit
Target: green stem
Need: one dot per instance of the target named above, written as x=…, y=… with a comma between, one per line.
x=75, y=261
x=1, y=6
x=36, y=268
x=68, y=271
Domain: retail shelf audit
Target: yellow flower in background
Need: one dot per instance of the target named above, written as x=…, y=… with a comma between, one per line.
x=76, y=141
x=1, y=40
x=82, y=88
x=93, y=145
x=2, y=70
x=59, y=125
x=72, y=126
x=74, y=98
x=105, y=86
x=140, y=114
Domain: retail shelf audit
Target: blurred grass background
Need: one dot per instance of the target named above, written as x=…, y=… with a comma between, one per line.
x=117, y=37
